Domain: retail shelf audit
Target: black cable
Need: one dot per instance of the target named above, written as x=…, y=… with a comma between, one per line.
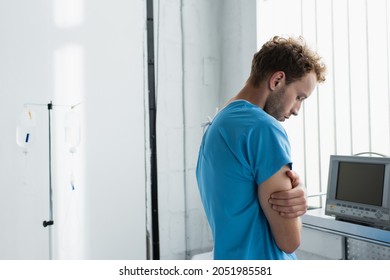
x=370, y=153
x=152, y=130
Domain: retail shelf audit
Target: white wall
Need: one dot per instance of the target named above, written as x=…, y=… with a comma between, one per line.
x=204, y=53
x=69, y=52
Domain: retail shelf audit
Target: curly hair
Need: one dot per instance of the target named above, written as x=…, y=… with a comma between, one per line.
x=290, y=55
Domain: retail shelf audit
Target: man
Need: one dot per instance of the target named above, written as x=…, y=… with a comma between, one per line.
x=251, y=198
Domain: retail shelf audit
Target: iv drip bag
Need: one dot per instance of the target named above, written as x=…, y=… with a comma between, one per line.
x=25, y=129
x=72, y=130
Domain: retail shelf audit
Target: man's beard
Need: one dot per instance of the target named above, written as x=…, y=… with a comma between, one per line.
x=273, y=105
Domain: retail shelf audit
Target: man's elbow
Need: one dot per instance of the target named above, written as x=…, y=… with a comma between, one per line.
x=289, y=246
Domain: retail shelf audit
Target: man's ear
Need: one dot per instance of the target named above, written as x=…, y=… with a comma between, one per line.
x=277, y=79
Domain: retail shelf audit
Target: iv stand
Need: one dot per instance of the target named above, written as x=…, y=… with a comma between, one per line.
x=50, y=222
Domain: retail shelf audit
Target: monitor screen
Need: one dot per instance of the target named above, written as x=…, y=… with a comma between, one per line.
x=360, y=182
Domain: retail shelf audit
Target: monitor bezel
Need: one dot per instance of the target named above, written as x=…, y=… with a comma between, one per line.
x=331, y=199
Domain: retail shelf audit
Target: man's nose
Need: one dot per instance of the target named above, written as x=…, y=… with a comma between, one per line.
x=295, y=109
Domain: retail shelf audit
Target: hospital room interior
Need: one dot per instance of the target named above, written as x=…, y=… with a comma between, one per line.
x=104, y=104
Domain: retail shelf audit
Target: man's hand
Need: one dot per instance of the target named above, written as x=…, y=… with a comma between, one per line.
x=291, y=203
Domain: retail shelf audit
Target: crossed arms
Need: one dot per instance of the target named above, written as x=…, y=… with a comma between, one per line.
x=283, y=200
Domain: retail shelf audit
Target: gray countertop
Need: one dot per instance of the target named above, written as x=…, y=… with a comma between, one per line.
x=317, y=219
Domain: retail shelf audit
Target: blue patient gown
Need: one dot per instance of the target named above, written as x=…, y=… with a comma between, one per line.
x=242, y=147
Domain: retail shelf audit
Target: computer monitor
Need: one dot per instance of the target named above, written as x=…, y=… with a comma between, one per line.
x=359, y=190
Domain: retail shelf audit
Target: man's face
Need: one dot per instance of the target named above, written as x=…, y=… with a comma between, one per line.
x=287, y=100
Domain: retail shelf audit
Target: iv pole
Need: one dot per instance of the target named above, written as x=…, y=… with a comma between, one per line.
x=50, y=222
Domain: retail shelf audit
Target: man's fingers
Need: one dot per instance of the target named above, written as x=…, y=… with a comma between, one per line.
x=292, y=215
x=294, y=177
x=296, y=192
x=291, y=173
x=289, y=208
x=288, y=202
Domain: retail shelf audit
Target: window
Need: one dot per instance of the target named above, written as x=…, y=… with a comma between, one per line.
x=349, y=113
